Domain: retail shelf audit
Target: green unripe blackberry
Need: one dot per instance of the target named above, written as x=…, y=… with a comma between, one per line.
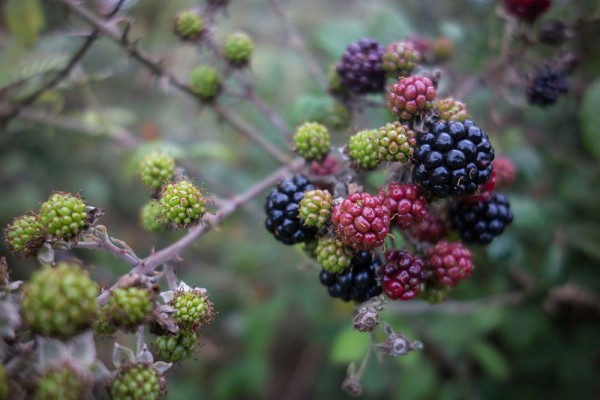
x=156, y=170
x=3, y=383
x=450, y=109
x=63, y=215
x=312, y=141
x=315, y=208
x=333, y=255
x=104, y=325
x=363, y=149
x=334, y=81
x=188, y=25
x=129, y=307
x=193, y=309
x=205, y=82
x=151, y=217
x=24, y=236
x=396, y=142
x=436, y=294
x=174, y=348
x=337, y=116
x=400, y=59
x=137, y=382
x=310, y=248
x=182, y=203
x=62, y=383
x=238, y=49
x=60, y=301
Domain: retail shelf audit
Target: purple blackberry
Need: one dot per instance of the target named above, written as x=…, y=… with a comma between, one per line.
x=481, y=221
x=356, y=283
x=453, y=158
x=282, y=211
x=361, y=68
x=547, y=86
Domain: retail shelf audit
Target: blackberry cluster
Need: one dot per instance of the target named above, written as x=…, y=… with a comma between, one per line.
x=481, y=221
x=361, y=68
x=356, y=283
x=282, y=211
x=453, y=158
x=547, y=86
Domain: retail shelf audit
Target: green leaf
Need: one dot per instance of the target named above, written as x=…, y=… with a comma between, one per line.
x=583, y=238
x=309, y=108
x=590, y=119
x=350, y=345
x=491, y=360
x=25, y=19
x=334, y=37
x=26, y=68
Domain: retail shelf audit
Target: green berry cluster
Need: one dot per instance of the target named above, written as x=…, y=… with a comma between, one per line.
x=238, y=49
x=137, y=382
x=363, y=149
x=400, y=59
x=25, y=235
x=193, y=309
x=156, y=170
x=188, y=25
x=396, y=142
x=450, y=109
x=129, y=307
x=151, y=217
x=205, y=82
x=332, y=254
x=60, y=301
x=315, y=208
x=182, y=203
x=63, y=215
x=62, y=383
x=175, y=348
x=312, y=141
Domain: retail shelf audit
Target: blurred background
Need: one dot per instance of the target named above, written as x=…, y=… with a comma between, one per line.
x=526, y=325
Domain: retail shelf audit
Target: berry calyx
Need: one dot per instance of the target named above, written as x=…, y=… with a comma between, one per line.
x=450, y=109
x=402, y=275
x=156, y=170
x=453, y=158
x=481, y=221
x=450, y=263
x=238, y=49
x=333, y=255
x=282, y=208
x=205, y=82
x=407, y=204
x=362, y=221
x=63, y=215
x=175, y=348
x=182, y=203
x=527, y=10
x=400, y=59
x=411, y=97
x=151, y=217
x=137, y=382
x=358, y=282
x=188, y=25
x=396, y=142
x=312, y=141
x=59, y=301
x=361, y=69
x=24, y=235
x=315, y=208
x=193, y=309
x=363, y=149
x=129, y=307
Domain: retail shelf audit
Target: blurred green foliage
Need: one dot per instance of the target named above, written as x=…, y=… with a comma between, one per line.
x=278, y=335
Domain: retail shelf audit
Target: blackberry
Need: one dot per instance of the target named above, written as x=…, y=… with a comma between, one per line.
x=407, y=203
x=361, y=68
x=449, y=263
x=356, y=283
x=400, y=59
x=402, y=275
x=188, y=25
x=527, y=10
x=282, y=211
x=411, y=97
x=453, y=158
x=431, y=230
x=547, y=85
x=481, y=221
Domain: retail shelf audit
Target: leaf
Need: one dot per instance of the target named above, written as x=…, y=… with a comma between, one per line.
x=26, y=68
x=583, y=238
x=490, y=360
x=350, y=345
x=590, y=119
x=25, y=19
x=310, y=108
x=334, y=37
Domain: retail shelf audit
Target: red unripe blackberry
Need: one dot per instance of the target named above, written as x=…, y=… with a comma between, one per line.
x=407, y=203
x=282, y=211
x=431, y=230
x=361, y=69
x=505, y=171
x=329, y=166
x=481, y=221
x=358, y=282
x=449, y=262
x=402, y=275
x=362, y=221
x=411, y=96
x=527, y=10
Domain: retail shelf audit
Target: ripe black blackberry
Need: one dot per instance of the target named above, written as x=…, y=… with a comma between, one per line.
x=282, y=211
x=453, y=158
x=358, y=282
x=547, y=85
x=481, y=221
x=361, y=68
